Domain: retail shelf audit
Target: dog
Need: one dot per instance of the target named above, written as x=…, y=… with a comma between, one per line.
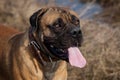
x=43, y=51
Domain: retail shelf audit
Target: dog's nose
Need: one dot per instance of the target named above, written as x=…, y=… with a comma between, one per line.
x=76, y=32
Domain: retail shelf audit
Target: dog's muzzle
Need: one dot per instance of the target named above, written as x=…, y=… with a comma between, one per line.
x=76, y=32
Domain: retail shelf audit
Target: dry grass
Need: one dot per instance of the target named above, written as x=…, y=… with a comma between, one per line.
x=104, y=3
x=17, y=12
x=102, y=51
x=111, y=10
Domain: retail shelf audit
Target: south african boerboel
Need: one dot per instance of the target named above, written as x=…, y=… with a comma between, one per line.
x=41, y=52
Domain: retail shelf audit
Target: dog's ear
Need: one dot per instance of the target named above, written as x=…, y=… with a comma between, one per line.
x=36, y=17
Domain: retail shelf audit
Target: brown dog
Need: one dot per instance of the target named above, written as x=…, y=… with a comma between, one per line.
x=41, y=52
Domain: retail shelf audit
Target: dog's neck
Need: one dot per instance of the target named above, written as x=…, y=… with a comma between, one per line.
x=25, y=65
x=49, y=69
x=39, y=48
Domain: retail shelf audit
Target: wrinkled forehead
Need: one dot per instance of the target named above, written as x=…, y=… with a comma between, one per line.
x=53, y=14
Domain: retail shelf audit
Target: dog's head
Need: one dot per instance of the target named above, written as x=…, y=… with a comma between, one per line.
x=59, y=30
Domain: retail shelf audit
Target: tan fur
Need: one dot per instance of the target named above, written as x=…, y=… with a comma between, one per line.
x=51, y=15
x=19, y=64
x=16, y=58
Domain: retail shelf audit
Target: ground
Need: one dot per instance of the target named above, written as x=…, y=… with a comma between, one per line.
x=102, y=50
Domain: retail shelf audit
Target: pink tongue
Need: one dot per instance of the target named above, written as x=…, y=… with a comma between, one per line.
x=75, y=57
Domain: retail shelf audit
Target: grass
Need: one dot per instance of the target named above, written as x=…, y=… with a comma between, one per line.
x=102, y=51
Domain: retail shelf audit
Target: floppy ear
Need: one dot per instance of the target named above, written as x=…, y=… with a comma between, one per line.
x=36, y=17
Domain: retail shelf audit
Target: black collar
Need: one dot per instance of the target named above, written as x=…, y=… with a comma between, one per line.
x=40, y=48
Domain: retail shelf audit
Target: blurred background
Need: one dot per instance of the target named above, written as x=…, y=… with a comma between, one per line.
x=100, y=23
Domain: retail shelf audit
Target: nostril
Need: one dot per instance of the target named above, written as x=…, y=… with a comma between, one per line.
x=74, y=33
x=79, y=32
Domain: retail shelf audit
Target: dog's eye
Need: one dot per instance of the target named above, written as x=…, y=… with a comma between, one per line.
x=75, y=20
x=58, y=23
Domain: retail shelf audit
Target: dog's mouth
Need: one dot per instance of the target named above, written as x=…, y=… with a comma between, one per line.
x=58, y=52
x=70, y=54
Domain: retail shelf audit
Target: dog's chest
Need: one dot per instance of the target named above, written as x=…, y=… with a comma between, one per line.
x=49, y=70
